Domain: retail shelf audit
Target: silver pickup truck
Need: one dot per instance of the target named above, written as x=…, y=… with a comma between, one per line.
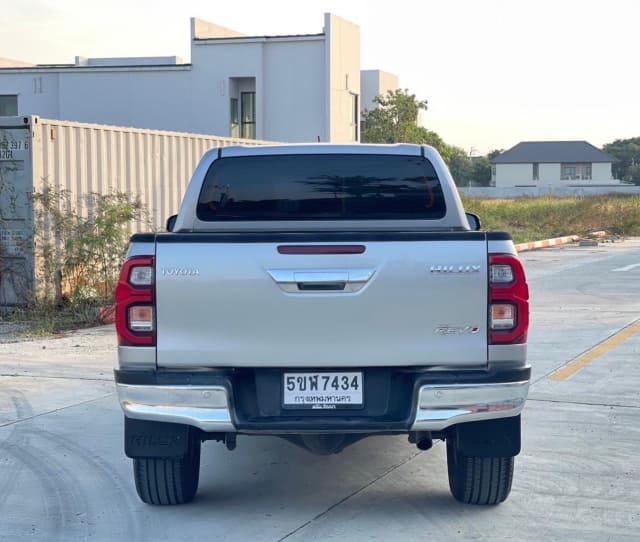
x=322, y=293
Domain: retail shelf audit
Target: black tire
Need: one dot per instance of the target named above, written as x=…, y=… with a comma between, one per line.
x=169, y=480
x=478, y=480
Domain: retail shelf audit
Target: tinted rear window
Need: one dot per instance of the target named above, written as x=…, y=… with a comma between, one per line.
x=321, y=187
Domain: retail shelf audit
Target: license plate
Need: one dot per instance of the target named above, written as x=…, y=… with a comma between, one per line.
x=323, y=390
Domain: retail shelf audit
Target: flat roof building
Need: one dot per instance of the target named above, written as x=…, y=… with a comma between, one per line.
x=292, y=88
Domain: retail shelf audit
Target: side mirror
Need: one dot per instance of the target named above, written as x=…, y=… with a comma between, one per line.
x=171, y=222
x=474, y=221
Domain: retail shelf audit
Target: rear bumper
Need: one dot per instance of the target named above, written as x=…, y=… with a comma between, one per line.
x=248, y=401
x=440, y=406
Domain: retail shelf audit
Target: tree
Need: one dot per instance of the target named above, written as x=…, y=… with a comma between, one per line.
x=459, y=166
x=627, y=155
x=481, y=171
x=395, y=120
x=494, y=153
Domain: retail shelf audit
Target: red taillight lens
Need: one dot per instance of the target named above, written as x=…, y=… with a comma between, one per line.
x=135, y=303
x=508, y=300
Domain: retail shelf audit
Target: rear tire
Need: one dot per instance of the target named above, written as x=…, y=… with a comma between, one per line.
x=169, y=480
x=478, y=480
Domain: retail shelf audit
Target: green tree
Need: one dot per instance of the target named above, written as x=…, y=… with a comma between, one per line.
x=459, y=166
x=494, y=153
x=395, y=120
x=481, y=171
x=627, y=155
x=634, y=174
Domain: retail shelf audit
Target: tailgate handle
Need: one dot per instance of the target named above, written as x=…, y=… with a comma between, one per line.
x=323, y=280
x=321, y=286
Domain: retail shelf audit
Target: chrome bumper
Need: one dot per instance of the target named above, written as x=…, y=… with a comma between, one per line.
x=443, y=405
x=438, y=405
x=204, y=407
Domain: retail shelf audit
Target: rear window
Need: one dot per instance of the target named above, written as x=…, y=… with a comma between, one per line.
x=321, y=187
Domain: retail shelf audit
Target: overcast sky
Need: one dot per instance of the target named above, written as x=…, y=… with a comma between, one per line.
x=494, y=72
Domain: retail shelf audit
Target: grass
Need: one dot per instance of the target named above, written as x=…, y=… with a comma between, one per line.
x=45, y=319
x=535, y=218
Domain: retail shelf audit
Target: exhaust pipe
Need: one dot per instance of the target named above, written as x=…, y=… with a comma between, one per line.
x=422, y=439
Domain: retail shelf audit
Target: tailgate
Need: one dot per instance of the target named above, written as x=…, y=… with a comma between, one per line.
x=400, y=302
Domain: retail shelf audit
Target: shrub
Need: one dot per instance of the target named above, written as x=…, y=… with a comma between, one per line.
x=78, y=255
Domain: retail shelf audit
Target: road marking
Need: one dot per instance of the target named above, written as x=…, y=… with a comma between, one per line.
x=627, y=267
x=601, y=349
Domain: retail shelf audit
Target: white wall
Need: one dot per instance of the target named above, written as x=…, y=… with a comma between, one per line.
x=601, y=172
x=343, y=54
x=548, y=174
x=152, y=98
x=375, y=83
x=294, y=91
x=147, y=99
x=37, y=91
x=511, y=175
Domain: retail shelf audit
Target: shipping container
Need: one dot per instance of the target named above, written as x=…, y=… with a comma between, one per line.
x=82, y=159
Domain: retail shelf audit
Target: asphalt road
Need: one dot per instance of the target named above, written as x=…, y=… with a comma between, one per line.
x=63, y=474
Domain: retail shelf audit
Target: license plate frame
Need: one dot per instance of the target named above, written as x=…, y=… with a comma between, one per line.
x=323, y=390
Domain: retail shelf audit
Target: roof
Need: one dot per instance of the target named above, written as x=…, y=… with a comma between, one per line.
x=552, y=152
x=247, y=38
x=75, y=67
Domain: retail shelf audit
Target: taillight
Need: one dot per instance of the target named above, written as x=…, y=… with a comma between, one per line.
x=508, y=300
x=135, y=303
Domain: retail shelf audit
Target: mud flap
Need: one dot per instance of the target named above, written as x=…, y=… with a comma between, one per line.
x=491, y=438
x=145, y=439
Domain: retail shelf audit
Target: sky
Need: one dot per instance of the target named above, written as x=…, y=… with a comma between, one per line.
x=494, y=72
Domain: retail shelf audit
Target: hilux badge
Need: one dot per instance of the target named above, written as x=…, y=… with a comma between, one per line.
x=455, y=269
x=456, y=330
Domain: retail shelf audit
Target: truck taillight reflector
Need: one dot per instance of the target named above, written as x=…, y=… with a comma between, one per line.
x=508, y=300
x=503, y=316
x=140, y=318
x=135, y=300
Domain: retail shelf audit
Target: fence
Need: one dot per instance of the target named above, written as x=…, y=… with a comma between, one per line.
x=492, y=192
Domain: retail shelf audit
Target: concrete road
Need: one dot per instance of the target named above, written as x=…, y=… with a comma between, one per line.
x=63, y=474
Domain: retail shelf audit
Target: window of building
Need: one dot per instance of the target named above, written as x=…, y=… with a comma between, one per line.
x=234, y=118
x=536, y=172
x=355, y=125
x=248, y=115
x=575, y=172
x=8, y=105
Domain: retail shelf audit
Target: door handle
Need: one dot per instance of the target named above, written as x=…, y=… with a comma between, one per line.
x=321, y=280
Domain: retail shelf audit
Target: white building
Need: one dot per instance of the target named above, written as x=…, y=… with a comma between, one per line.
x=375, y=83
x=296, y=88
x=534, y=164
